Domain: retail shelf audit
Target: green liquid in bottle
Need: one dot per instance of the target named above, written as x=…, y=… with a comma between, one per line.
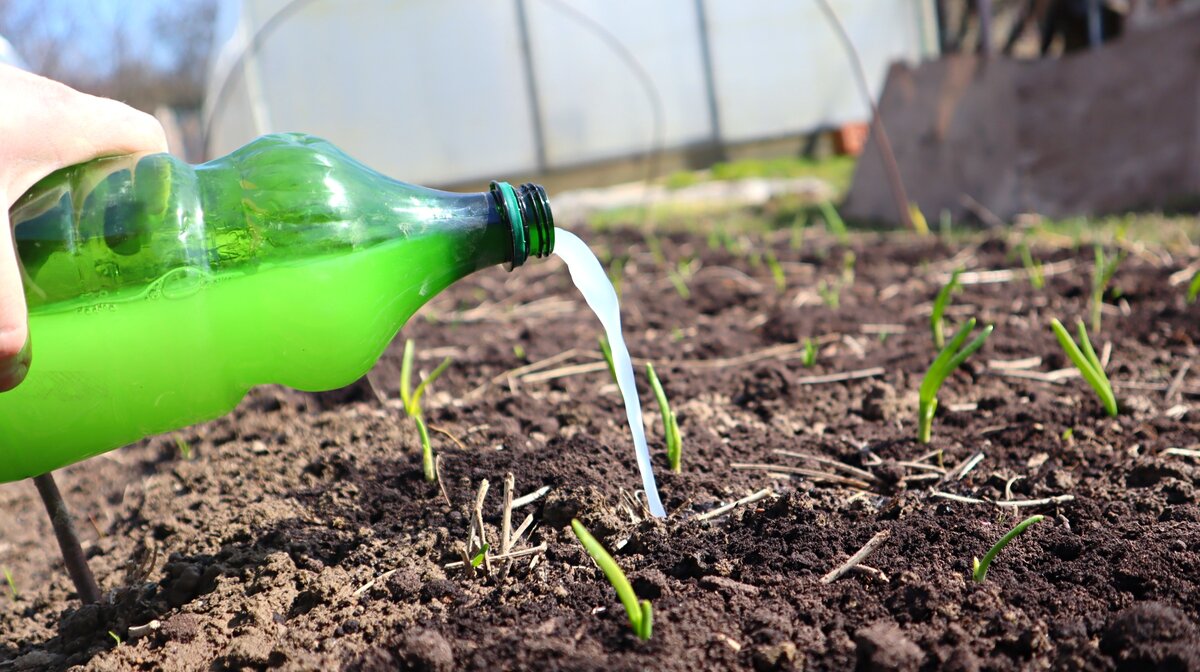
x=160, y=294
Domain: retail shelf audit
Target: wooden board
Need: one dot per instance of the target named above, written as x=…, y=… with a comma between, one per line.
x=1097, y=132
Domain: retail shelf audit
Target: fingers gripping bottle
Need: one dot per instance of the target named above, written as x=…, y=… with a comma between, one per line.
x=159, y=292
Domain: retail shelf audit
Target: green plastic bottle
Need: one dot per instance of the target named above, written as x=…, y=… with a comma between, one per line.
x=159, y=292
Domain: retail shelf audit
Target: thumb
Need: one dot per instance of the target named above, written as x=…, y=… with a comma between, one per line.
x=15, y=349
x=46, y=125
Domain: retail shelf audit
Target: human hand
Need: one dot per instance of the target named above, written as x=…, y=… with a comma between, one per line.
x=44, y=126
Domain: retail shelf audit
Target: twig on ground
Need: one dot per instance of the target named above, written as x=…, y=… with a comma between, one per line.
x=861, y=473
x=800, y=471
x=967, y=466
x=721, y=510
x=1172, y=391
x=841, y=377
x=448, y=435
x=531, y=497
x=1014, y=364
x=540, y=548
x=921, y=466
x=1021, y=503
x=478, y=524
x=1012, y=503
x=857, y=558
x=371, y=584
x=1007, y=275
x=437, y=470
x=958, y=498
x=522, y=528
x=1056, y=377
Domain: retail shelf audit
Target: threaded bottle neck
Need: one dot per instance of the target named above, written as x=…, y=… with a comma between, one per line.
x=526, y=211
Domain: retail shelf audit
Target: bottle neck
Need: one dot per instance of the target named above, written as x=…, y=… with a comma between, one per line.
x=526, y=214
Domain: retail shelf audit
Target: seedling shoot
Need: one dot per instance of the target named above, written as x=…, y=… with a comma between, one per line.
x=1083, y=356
x=641, y=617
x=936, y=321
x=412, y=405
x=950, y=358
x=670, y=425
x=809, y=359
x=980, y=567
x=1102, y=275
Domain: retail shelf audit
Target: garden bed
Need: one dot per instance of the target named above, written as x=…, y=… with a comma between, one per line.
x=301, y=535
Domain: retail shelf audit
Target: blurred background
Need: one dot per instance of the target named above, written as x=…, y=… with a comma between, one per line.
x=660, y=96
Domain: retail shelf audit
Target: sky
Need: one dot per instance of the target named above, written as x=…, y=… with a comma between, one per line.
x=84, y=33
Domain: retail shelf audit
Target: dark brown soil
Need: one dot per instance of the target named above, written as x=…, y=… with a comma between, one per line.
x=300, y=535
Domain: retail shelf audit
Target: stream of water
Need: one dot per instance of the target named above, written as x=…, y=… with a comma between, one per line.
x=591, y=280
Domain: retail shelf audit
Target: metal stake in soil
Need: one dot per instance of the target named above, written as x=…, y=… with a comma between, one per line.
x=68, y=539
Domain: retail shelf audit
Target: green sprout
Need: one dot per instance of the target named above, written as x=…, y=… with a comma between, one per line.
x=679, y=277
x=428, y=466
x=810, y=353
x=980, y=567
x=950, y=358
x=1087, y=362
x=1194, y=288
x=12, y=585
x=1102, y=275
x=185, y=449
x=616, y=275
x=655, y=247
x=945, y=225
x=606, y=350
x=1037, y=275
x=670, y=424
x=412, y=405
x=939, y=308
x=830, y=293
x=480, y=556
x=641, y=617
x=115, y=637
x=796, y=241
x=410, y=397
x=776, y=271
x=834, y=221
x=849, y=259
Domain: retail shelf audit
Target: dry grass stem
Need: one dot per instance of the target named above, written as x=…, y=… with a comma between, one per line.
x=722, y=510
x=1172, y=391
x=522, y=528
x=841, y=377
x=437, y=470
x=967, y=466
x=861, y=473
x=531, y=497
x=371, y=584
x=876, y=329
x=540, y=548
x=1014, y=364
x=857, y=558
x=1006, y=275
x=1056, y=377
x=448, y=435
x=921, y=465
x=506, y=515
x=800, y=471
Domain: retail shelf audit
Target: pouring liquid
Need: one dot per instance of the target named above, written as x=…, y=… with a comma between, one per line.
x=591, y=280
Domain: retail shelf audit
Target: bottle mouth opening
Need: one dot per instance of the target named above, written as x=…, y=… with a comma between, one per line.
x=527, y=212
